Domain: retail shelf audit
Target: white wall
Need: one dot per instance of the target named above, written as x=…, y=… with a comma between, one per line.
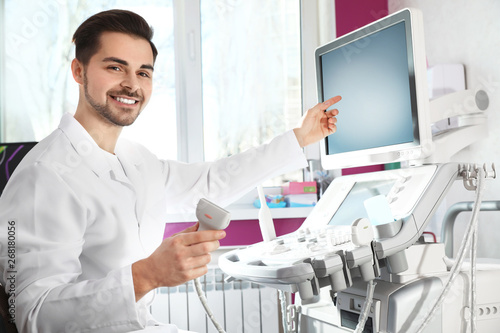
x=468, y=32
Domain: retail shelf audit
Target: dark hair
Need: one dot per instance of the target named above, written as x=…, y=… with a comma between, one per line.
x=87, y=36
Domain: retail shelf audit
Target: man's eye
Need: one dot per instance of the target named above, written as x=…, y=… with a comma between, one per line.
x=115, y=68
x=144, y=74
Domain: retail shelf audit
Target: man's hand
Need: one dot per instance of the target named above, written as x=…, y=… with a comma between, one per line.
x=317, y=123
x=178, y=259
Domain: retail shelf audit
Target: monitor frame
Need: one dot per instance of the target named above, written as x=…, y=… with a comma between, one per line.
x=421, y=146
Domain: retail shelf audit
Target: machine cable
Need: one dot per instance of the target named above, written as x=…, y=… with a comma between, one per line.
x=455, y=270
x=366, y=306
x=284, y=323
x=290, y=315
x=473, y=298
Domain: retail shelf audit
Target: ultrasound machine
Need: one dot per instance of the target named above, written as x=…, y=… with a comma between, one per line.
x=359, y=262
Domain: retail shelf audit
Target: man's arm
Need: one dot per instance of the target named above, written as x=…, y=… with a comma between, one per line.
x=227, y=179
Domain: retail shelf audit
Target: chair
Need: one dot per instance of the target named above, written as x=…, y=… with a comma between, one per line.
x=10, y=156
x=6, y=326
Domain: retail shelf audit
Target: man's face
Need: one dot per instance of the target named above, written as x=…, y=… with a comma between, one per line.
x=118, y=79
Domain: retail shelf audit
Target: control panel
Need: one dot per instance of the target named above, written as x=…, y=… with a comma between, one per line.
x=339, y=239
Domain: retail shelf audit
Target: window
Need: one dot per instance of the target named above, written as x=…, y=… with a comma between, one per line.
x=229, y=74
x=251, y=77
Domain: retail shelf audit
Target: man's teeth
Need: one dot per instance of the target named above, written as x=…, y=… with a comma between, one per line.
x=125, y=100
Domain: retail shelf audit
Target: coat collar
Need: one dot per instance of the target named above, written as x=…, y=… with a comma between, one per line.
x=87, y=149
x=88, y=152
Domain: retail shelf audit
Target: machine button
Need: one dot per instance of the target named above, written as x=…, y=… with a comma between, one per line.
x=280, y=249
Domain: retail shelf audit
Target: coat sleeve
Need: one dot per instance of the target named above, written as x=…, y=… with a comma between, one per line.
x=227, y=179
x=41, y=264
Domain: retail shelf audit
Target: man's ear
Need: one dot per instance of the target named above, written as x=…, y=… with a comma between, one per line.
x=77, y=71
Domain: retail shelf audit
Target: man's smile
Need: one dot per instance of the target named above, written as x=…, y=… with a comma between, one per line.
x=124, y=100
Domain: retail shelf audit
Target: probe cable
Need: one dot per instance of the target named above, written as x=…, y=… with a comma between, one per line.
x=204, y=302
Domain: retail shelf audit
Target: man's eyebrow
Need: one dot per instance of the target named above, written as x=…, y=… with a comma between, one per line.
x=114, y=59
x=147, y=66
x=125, y=63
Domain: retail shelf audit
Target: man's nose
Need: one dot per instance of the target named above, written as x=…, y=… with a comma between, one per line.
x=131, y=82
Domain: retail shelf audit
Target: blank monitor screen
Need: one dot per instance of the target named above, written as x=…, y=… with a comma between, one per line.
x=372, y=78
x=380, y=72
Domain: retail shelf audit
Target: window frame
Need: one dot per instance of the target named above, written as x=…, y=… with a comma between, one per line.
x=319, y=13
x=188, y=80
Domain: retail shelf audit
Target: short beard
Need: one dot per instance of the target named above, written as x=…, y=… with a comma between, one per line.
x=104, y=110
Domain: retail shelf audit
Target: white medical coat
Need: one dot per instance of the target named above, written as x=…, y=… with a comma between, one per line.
x=82, y=216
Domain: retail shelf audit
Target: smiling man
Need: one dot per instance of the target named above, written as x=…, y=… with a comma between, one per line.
x=89, y=208
x=116, y=83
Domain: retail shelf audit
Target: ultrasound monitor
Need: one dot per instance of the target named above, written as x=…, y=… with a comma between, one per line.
x=11, y=155
x=380, y=72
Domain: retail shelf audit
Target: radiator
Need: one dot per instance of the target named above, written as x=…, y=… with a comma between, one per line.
x=238, y=306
